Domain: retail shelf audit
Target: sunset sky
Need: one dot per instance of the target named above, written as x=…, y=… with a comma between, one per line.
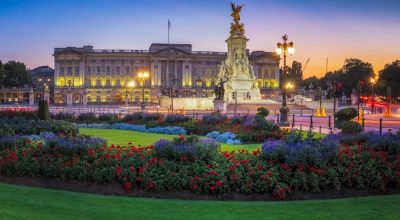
x=369, y=30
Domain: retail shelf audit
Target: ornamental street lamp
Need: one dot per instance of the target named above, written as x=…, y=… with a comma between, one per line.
x=131, y=85
x=373, y=82
x=142, y=77
x=284, y=48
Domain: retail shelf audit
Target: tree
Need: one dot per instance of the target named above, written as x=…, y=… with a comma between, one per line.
x=389, y=76
x=355, y=70
x=296, y=73
x=314, y=81
x=16, y=74
x=2, y=73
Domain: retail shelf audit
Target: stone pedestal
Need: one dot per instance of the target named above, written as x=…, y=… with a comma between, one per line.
x=238, y=70
x=220, y=106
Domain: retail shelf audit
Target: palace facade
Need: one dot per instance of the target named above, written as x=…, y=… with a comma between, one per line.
x=111, y=76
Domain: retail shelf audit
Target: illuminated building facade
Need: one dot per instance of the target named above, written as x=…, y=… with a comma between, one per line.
x=103, y=76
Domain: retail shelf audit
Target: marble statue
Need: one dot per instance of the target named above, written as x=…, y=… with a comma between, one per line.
x=236, y=68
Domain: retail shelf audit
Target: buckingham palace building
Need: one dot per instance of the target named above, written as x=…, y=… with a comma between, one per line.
x=97, y=76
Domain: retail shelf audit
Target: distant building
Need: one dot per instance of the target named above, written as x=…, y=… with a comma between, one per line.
x=103, y=76
x=42, y=77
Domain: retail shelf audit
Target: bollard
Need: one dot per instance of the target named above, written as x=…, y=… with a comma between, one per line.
x=301, y=127
x=320, y=129
x=197, y=116
x=380, y=126
x=329, y=122
x=293, y=121
x=277, y=118
x=311, y=122
x=363, y=123
x=301, y=112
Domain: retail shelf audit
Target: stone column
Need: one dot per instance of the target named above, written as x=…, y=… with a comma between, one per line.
x=31, y=97
x=84, y=98
x=69, y=98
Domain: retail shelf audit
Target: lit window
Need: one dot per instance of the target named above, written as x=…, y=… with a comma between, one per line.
x=40, y=80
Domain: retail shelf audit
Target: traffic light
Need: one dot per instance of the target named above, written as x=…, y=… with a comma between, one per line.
x=166, y=92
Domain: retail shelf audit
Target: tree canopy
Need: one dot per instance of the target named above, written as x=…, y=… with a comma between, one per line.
x=15, y=75
x=2, y=73
x=349, y=76
x=389, y=76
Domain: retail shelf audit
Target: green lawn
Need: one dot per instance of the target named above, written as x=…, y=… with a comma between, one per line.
x=123, y=137
x=20, y=202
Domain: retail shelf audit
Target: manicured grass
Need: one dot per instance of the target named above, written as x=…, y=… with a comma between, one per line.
x=123, y=137
x=20, y=202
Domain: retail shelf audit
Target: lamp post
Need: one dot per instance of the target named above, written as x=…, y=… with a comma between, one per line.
x=131, y=85
x=142, y=77
x=359, y=93
x=373, y=81
x=284, y=48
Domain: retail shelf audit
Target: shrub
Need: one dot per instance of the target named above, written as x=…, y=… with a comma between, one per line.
x=135, y=118
x=43, y=112
x=18, y=113
x=298, y=151
x=27, y=127
x=349, y=127
x=107, y=118
x=213, y=119
x=386, y=142
x=63, y=116
x=262, y=111
x=176, y=119
x=86, y=117
x=186, y=149
x=6, y=130
x=79, y=142
x=346, y=114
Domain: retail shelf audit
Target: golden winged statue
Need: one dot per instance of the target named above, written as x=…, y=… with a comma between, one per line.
x=236, y=11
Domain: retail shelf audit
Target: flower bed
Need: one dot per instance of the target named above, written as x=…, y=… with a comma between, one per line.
x=141, y=128
x=317, y=166
x=225, y=137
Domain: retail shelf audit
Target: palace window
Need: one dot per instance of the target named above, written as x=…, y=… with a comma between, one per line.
x=127, y=70
x=77, y=71
x=89, y=70
x=108, y=70
x=118, y=70
x=69, y=70
x=62, y=69
x=98, y=70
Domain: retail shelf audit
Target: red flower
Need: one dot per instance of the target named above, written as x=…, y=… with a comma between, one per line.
x=128, y=186
x=150, y=185
x=153, y=160
x=194, y=187
x=234, y=176
x=132, y=169
x=141, y=169
x=118, y=171
x=259, y=167
x=209, y=165
x=212, y=188
x=269, y=173
x=285, y=166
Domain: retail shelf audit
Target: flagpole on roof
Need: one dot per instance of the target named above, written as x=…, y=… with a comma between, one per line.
x=169, y=26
